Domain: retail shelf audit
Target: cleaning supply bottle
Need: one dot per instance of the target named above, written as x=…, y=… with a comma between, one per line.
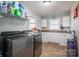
x=15, y=4
x=25, y=14
x=18, y=13
x=0, y=6
x=9, y=7
x=12, y=11
x=4, y=7
x=22, y=9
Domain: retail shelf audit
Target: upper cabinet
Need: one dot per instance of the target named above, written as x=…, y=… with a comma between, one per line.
x=12, y=9
x=57, y=23
x=66, y=21
x=54, y=23
x=44, y=22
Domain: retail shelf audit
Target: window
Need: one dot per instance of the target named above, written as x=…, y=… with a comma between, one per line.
x=31, y=23
x=54, y=24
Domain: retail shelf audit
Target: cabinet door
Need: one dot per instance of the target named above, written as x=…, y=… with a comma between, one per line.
x=53, y=37
x=54, y=23
x=62, y=40
x=66, y=21
x=67, y=36
x=50, y=37
x=44, y=23
x=44, y=37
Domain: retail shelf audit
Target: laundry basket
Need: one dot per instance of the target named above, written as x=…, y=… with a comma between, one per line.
x=71, y=48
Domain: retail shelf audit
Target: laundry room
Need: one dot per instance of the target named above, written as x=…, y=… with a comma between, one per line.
x=39, y=28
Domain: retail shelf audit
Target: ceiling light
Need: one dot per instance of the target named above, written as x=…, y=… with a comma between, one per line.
x=46, y=2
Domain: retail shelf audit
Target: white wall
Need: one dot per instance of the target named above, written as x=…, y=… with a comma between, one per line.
x=13, y=24
x=75, y=22
x=30, y=13
x=10, y=24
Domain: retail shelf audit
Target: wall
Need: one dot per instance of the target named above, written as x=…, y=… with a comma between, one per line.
x=30, y=13
x=75, y=22
x=13, y=24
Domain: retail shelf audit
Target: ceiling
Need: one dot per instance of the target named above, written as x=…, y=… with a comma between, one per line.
x=55, y=7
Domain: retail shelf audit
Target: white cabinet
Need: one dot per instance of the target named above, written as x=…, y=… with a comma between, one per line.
x=64, y=37
x=54, y=23
x=60, y=38
x=44, y=23
x=52, y=37
x=44, y=37
x=66, y=21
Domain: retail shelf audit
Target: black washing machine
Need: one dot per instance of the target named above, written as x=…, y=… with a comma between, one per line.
x=16, y=44
x=37, y=45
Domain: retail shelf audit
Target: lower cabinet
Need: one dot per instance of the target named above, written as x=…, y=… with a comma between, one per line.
x=60, y=38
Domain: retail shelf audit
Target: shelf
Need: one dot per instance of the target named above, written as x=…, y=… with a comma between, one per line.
x=11, y=16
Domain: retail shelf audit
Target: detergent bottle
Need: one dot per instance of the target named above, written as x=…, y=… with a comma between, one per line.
x=0, y=6
x=4, y=7
x=15, y=4
x=9, y=7
x=18, y=13
x=22, y=9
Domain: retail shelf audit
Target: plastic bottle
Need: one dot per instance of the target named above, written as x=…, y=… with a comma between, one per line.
x=22, y=9
x=26, y=14
x=15, y=5
x=9, y=7
x=18, y=13
x=13, y=10
x=0, y=6
x=4, y=7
